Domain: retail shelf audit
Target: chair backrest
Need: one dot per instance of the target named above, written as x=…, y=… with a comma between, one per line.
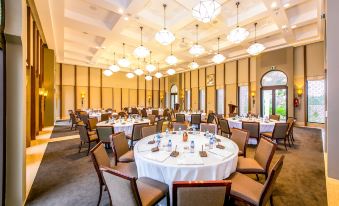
x=177, y=125
x=224, y=126
x=155, y=112
x=73, y=118
x=196, y=119
x=165, y=113
x=159, y=125
x=104, y=116
x=100, y=158
x=280, y=130
x=136, y=133
x=83, y=133
x=274, y=117
x=264, y=152
x=119, y=145
x=201, y=192
x=270, y=181
x=151, y=118
x=104, y=133
x=210, y=118
x=134, y=110
x=143, y=112
x=253, y=128
x=211, y=128
x=84, y=117
x=180, y=117
x=122, y=114
x=291, y=122
x=149, y=130
x=122, y=189
x=240, y=137
x=92, y=123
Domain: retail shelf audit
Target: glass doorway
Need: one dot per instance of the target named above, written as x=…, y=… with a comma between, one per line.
x=174, y=96
x=274, y=101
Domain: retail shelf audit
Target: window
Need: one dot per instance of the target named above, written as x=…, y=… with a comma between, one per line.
x=202, y=99
x=220, y=101
x=274, y=78
x=243, y=100
x=316, y=101
x=188, y=99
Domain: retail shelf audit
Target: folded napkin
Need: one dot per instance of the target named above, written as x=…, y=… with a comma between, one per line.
x=145, y=147
x=190, y=159
x=221, y=152
x=158, y=156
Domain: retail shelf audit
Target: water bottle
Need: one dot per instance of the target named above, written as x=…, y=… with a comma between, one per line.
x=192, y=147
x=210, y=146
x=167, y=132
x=169, y=145
x=158, y=138
x=207, y=133
x=179, y=130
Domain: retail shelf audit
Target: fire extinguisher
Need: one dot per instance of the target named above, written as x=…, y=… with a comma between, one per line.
x=296, y=102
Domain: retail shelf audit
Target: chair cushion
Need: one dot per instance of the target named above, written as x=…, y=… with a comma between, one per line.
x=129, y=169
x=92, y=132
x=245, y=188
x=267, y=134
x=151, y=191
x=93, y=137
x=127, y=157
x=249, y=166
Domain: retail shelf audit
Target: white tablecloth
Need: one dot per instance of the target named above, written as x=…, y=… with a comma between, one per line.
x=213, y=167
x=123, y=126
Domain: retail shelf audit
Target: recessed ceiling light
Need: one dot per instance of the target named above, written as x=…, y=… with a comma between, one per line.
x=126, y=18
x=274, y=5
x=294, y=26
x=121, y=11
x=286, y=5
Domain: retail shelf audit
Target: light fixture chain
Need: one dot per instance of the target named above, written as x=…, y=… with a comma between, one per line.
x=141, y=35
x=237, y=13
x=164, y=15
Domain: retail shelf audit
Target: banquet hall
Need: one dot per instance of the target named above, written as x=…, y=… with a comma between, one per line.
x=169, y=102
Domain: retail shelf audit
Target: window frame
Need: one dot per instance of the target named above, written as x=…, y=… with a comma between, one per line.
x=307, y=102
x=248, y=98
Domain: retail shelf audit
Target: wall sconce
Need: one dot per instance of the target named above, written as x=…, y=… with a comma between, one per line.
x=41, y=91
x=253, y=95
x=82, y=98
x=299, y=92
x=45, y=93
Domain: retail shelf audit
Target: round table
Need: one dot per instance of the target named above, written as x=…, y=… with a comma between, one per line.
x=123, y=125
x=218, y=164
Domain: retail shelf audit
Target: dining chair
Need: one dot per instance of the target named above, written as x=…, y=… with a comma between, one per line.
x=196, y=120
x=291, y=121
x=92, y=124
x=251, y=192
x=211, y=128
x=260, y=164
x=201, y=193
x=225, y=128
x=85, y=137
x=74, y=121
x=253, y=128
x=100, y=158
x=104, y=133
x=143, y=112
x=279, y=133
x=136, y=133
x=181, y=125
x=122, y=114
x=134, y=110
x=148, y=131
x=155, y=112
x=240, y=137
x=180, y=118
x=210, y=118
x=109, y=110
x=151, y=118
x=165, y=113
x=275, y=117
x=159, y=124
x=124, y=190
x=104, y=117
x=120, y=147
x=83, y=116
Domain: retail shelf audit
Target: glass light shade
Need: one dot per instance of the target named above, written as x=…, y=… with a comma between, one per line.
x=218, y=58
x=238, y=35
x=170, y=71
x=107, y=72
x=138, y=71
x=129, y=75
x=171, y=60
x=255, y=49
x=114, y=68
x=148, y=77
x=164, y=37
x=193, y=65
x=206, y=10
x=124, y=62
x=196, y=50
x=141, y=52
x=150, y=67
x=158, y=75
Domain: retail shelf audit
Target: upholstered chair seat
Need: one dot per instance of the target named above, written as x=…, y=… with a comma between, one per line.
x=267, y=134
x=127, y=157
x=151, y=190
x=249, y=165
x=93, y=137
x=121, y=149
x=92, y=132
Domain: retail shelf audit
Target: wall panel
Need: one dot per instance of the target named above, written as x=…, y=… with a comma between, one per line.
x=95, y=77
x=219, y=77
x=202, y=78
x=315, y=60
x=194, y=79
x=243, y=71
x=117, y=99
x=187, y=80
x=231, y=95
x=133, y=97
x=195, y=97
x=230, y=74
x=211, y=99
x=156, y=99
x=141, y=98
x=82, y=76
x=68, y=74
x=67, y=100
x=125, y=97
x=95, y=101
x=107, y=97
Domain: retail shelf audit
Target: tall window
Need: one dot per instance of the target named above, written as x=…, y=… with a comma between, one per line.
x=188, y=99
x=220, y=101
x=202, y=99
x=243, y=100
x=316, y=101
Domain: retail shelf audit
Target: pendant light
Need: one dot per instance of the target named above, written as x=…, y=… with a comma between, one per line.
x=124, y=62
x=238, y=34
x=218, y=58
x=206, y=10
x=141, y=51
x=255, y=48
x=138, y=71
x=170, y=71
x=114, y=67
x=148, y=77
x=130, y=75
x=197, y=49
x=164, y=36
x=171, y=59
x=158, y=74
x=150, y=67
x=193, y=65
x=107, y=72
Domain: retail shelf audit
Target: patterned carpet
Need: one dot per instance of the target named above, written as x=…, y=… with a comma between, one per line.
x=67, y=177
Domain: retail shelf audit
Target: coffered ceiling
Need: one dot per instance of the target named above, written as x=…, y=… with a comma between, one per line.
x=88, y=32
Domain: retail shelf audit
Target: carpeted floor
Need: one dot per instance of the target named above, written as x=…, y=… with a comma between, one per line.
x=62, y=128
x=66, y=177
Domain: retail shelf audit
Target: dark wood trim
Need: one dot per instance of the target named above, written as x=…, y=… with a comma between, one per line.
x=199, y=90
x=215, y=91
x=89, y=88
x=75, y=87
x=237, y=86
x=152, y=93
x=184, y=86
x=273, y=88
x=41, y=81
x=145, y=93
x=249, y=86
x=60, y=79
x=205, y=92
x=305, y=87
x=100, y=89
x=191, y=90
x=121, y=99
x=159, y=104
x=224, y=80
x=33, y=102
x=137, y=91
x=113, y=99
